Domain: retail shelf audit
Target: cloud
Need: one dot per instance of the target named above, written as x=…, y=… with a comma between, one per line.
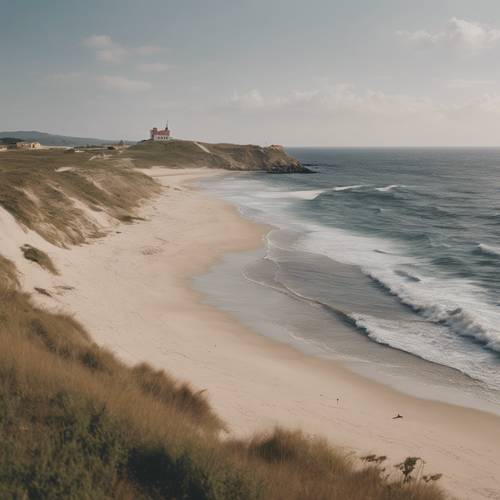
x=64, y=78
x=340, y=99
x=253, y=99
x=457, y=33
x=109, y=82
x=460, y=83
x=98, y=41
x=147, y=50
x=250, y=100
x=112, y=55
x=123, y=84
x=490, y=103
x=344, y=104
x=110, y=51
x=153, y=67
x=106, y=49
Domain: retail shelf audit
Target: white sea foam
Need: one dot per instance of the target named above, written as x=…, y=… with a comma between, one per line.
x=301, y=195
x=489, y=250
x=349, y=188
x=305, y=195
x=431, y=342
x=390, y=188
x=457, y=304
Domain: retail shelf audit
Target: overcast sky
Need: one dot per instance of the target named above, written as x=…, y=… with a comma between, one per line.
x=316, y=72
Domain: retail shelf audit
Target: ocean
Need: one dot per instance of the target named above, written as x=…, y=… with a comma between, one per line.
x=387, y=259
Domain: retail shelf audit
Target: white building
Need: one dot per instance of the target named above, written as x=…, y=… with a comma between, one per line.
x=28, y=145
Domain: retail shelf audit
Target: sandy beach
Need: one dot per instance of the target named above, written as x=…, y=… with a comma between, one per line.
x=132, y=290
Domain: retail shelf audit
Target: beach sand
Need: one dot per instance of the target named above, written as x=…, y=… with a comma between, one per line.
x=133, y=291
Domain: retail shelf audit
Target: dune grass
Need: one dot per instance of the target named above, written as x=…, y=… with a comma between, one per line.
x=45, y=190
x=40, y=257
x=76, y=422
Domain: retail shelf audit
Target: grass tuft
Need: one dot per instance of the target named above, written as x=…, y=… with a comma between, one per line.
x=40, y=257
x=160, y=386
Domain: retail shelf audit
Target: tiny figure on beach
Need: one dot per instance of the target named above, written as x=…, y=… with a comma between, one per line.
x=338, y=401
x=397, y=416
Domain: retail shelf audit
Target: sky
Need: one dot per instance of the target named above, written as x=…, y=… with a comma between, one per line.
x=298, y=73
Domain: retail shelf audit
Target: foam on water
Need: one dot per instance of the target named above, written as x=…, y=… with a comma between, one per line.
x=489, y=250
x=350, y=188
x=389, y=188
x=301, y=195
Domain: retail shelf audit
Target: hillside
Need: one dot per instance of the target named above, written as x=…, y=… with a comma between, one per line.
x=182, y=154
x=53, y=139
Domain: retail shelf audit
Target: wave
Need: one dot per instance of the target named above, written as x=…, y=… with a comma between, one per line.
x=388, y=332
x=413, y=338
x=407, y=275
x=311, y=194
x=438, y=308
x=389, y=188
x=301, y=195
x=489, y=250
x=350, y=188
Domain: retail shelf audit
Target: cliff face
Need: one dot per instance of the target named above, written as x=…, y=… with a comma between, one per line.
x=183, y=154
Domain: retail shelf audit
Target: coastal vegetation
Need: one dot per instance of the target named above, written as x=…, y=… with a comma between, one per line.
x=38, y=256
x=76, y=422
x=182, y=154
x=64, y=197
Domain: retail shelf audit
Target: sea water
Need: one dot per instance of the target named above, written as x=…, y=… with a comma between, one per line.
x=399, y=246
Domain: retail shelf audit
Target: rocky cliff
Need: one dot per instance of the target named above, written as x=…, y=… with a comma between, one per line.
x=182, y=154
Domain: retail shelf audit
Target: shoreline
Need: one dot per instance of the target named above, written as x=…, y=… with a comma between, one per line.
x=133, y=291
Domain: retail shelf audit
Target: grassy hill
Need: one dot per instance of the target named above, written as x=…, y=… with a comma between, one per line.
x=182, y=154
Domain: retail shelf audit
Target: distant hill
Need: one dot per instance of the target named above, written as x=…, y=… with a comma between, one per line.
x=9, y=140
x=55, y=140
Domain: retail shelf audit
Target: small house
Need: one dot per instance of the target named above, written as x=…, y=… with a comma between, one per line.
x=28, y=145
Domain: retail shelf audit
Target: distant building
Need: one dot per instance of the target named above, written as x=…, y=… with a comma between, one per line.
x=28, y=145
x=160, y=135
x=276, y=146
x=3, y=148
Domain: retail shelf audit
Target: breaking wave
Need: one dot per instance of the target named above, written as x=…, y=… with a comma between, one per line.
x=488, y=250
x=465, y=316
x=301, y=195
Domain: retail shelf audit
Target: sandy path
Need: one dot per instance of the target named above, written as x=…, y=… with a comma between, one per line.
x=132, y=290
